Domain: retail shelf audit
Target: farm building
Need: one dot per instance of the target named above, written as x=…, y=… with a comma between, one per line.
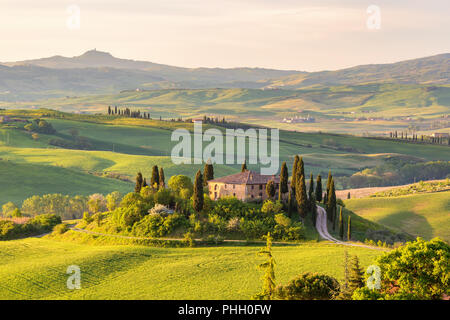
x=245, y=186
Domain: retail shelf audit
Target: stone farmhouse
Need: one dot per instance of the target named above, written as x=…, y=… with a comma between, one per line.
x=245, y=186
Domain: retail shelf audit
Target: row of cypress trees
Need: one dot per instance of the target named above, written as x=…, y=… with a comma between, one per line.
x=157, y=179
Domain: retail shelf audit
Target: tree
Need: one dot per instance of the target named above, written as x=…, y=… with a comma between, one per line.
x=319, y=188
x=208, y=172
x=301, y=197
x=331, y=204
x=313, y=210
x=139, y=181
x=356, y=275
x=244, y=166
x=268, y=287
x=162, y=182
x=8, y=208
x=330, y=177
x=309, y=286
x=154, y=182
x=341, y=224
x=181, y=184
x=294, y=172
x=417, y=270
x=311, y=186
x=198, y=199
x=270, y=189
x=113, y=200
x=349, y=228
x=284, y=177
x=96, y=203
x=344, y=292
x=291, y=202
x=144, y=183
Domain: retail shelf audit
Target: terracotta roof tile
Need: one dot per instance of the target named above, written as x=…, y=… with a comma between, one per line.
x=247, y=177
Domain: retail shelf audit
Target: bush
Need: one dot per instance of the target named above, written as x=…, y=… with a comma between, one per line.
x=158, y=226
x=60, y=228
x=308, y=286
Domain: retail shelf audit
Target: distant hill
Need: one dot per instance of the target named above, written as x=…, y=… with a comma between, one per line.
x=428, y=70
x=97, y=72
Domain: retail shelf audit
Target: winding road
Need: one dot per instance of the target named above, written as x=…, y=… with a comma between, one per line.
x=322, y=229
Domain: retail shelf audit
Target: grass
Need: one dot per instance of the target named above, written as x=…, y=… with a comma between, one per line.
x=36, y=269
x=425, y=215
x=21, y=180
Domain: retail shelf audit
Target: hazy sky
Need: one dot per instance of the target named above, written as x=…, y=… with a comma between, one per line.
x=284, y=34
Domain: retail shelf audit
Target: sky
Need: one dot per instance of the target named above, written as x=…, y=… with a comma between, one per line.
x=282, y=34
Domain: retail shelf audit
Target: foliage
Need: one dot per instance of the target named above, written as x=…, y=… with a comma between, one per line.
x=417, y=270
x=181, y=184
x=113, y=200
x=309, y=286
x=155, y=225
x=420, y=187
x=37, y=225
x=65, y=206
x=268, y=287
x=60, y=228
x=270, y=189
x=8, y=208
x=271, y=207
x=198, y=197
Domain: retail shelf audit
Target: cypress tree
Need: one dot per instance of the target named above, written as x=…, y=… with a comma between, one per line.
x=313, y=209
x=325, y=198
x=208, y=172
x=294, y=171
x=144, y=183
x=349, y=228
x=331, y=204
x=244, y=166
x=301, y=197
x=341, y=224
x=345, y=292
x=162, y=182
x=319, y=188
x=270, y=189
x=139, y=181
x=301, y=168
x=356, y=275
x=284, y=177
x=155, y=177
x=311, y=186
x=329, y=183
x=198, y=192
x=291, y=202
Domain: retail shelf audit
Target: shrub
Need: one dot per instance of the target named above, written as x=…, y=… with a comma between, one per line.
x=158, y=226
x=308, y=286
x=60, y=228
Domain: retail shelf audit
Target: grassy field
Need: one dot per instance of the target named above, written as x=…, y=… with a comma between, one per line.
x=426, y=215
x=136, y=272
x=126, y=146
x=269, y=107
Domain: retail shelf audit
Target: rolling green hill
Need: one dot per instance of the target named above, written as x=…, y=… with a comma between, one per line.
x=36, y=269
x=425, y=215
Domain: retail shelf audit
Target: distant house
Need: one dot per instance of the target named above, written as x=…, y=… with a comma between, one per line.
x=245, y=186
x=4, y=119
x=440, y=135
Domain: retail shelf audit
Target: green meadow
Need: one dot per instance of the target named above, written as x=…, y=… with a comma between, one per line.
x=426, y=215
x=137, y=272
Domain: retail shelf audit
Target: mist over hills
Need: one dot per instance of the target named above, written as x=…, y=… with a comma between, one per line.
x=97, y=72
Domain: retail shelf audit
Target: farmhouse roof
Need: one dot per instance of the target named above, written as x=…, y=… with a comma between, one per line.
x=247, y=177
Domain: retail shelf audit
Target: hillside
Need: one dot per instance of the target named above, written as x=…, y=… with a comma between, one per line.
x=100, y=72
x=124, y=146
x=425, y=215
x=136, y=272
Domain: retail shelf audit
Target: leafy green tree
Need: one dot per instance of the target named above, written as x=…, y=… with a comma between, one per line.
x=208, y=172
x=139, y=181
x=162, y=179
x=341, y=224
x=309, y=286
x=319, y=188
x=8, y=208
x=417, y=270
x=154, y=182
x=198, y=199
x=270, y=189
x=96, y=203
x=181, y=184
x=268, y=288
x=113, y=200
x=284, y=177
